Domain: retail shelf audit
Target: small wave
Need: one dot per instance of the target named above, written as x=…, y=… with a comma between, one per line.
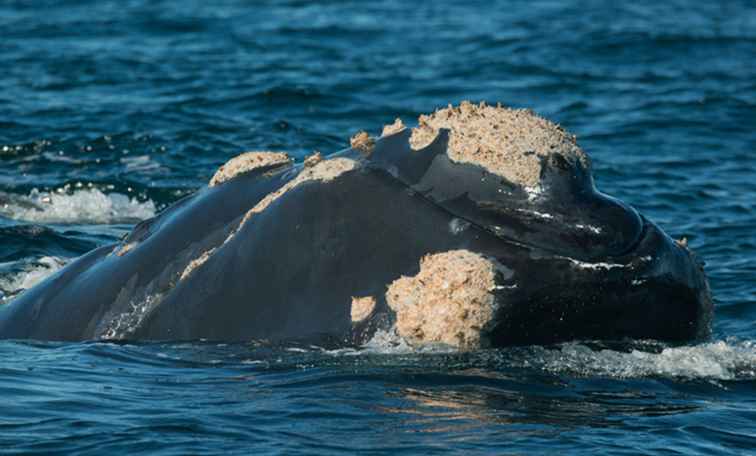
x=390, y=342
x=31, y=274
x=81, y=206
x=720, y=360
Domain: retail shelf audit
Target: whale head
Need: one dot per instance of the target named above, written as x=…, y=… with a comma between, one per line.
x=564, y=261
x=480, y=227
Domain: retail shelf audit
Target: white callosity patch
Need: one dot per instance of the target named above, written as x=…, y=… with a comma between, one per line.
x=124, y=249
x=196, y=263
x=82, y=206
x=313, y=159
x=317, y=170
x=362, y=142
x=449, y=301
x=238, y=165
x=393, y=128
x=31, y=274
x=247, y=162
x=361, y=308
x=508, y=142
x=323, y=171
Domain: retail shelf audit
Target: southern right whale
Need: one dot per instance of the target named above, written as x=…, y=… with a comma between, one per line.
x=480, y=227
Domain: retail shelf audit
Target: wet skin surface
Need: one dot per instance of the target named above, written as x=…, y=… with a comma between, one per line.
x=289, y=272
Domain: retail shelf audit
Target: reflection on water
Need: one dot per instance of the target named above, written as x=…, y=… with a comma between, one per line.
x=444, y=409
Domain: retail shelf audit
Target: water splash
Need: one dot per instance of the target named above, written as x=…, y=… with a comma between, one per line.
x=720, y=360
x=728, y=360
x=80, y=206
x=30, y=275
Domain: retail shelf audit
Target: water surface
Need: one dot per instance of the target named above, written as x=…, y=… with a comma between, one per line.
x=111, y=110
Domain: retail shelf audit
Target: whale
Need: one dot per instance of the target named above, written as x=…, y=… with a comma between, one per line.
x=480, y=227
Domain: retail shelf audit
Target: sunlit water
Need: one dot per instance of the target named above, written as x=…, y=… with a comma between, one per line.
x=110, y=111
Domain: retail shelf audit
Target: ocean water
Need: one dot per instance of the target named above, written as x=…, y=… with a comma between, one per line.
x=112, y=110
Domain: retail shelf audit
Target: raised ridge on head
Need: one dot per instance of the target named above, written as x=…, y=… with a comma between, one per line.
x=505, y=141
x=396, y=127
x=362, y=142
x=247, y=162
x=322, y=170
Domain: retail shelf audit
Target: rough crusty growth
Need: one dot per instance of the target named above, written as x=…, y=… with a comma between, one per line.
x=505, y=141
x=194, y=264
x=362, y=142
x=314, y=159
x=245, y=163
x=395, y=127
x=362, y=308
x=126, y=248
x=323, y=171
x=450, y=300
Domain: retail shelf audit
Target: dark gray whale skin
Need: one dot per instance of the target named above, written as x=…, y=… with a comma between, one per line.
x=579, y=264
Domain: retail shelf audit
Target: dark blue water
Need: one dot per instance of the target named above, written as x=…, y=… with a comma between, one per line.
x=111, y=110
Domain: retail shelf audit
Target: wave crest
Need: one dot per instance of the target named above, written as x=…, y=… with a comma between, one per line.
x=81, y=206
x=30, y=275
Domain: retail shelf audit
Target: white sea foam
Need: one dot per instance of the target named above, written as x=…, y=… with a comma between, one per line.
x=719, y=360
x=88, y=205
x=32, y=274
x=533, y=192
x=387, y=342
x=390, y=342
